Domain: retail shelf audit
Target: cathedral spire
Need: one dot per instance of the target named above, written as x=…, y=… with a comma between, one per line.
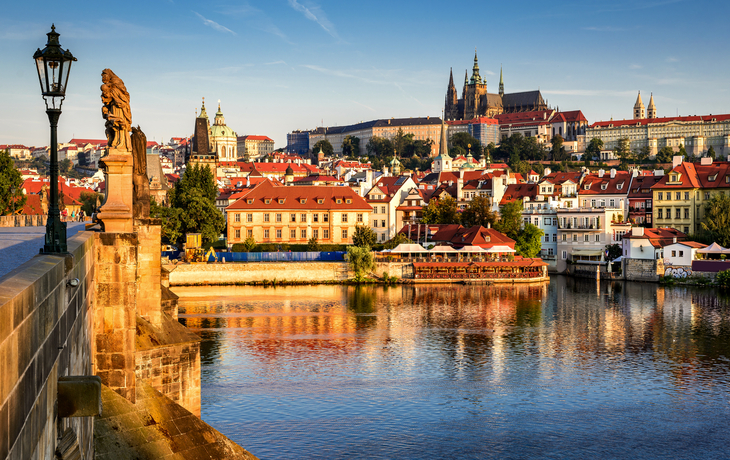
x=501, y=82
x=451, y=78
x=651, y=110
x=443, y=147
x=475, y=77
x=639, y=111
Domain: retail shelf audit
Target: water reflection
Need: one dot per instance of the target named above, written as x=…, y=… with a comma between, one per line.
x=572, y=369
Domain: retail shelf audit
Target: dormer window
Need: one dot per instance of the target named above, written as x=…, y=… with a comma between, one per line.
x=281, y=200
x=338, y=201
x=249, y=201
x=604, y=186
x=320, y=200
x=620, y=186
x=348, y=201
x=302, y=200
x=674, y=178
x=587, y=187
x=267, y=200
x=712, y=178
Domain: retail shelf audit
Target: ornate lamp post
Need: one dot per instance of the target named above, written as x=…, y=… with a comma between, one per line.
x=54, y=65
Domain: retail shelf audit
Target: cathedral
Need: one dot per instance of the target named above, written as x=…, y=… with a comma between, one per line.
x=214, y=145
x=477, y=102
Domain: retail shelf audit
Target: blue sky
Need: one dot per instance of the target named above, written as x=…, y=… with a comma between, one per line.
x=281, y=65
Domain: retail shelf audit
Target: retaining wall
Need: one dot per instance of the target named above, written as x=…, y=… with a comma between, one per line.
x=248, y=272
x=643, y=269
x=46, y=332
x=23, y=220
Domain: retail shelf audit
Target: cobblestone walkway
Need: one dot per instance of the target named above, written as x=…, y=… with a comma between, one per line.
x=19, y=244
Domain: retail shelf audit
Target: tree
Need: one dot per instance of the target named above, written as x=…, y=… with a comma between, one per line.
x=593, y=150
x=613, y=251
x=623, y=149
x=65, y=166
x=326, y=147
x=558, y=152
x=456, y=151
x=642, y=154
x=399, y=238
x=351, y=147
x=665, y=155
x=313, y=245
x=510, y=219
x=479, y=212
x=11, y=193
x=441, y=210
x=465, y=140
x=360, y=260
x=711, y=152
x=379, y=147
x=529, y=241
x=194, y=196
x=682, y=151
x=364, y=236
x=717, y=218
x=88, y=201
x=401, y=142
x=170, y=218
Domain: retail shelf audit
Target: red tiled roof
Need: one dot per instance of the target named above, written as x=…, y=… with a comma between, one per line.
x=596, y=184
x=77, y=141
x=515, y=263
x=688, y=178
x=515, y=192
x=256, y=138
x=32, y=205
x=535, y=117
x=304, y=197
x=483, y=237
x=574, y=115
x=650, y=121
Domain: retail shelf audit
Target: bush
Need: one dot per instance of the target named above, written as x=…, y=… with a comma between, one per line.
x=361, y=260
x=723, y=279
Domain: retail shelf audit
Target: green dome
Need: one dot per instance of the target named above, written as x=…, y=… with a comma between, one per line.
x=221, y=131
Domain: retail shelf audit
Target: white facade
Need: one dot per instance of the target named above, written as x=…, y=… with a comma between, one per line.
x=679, y=254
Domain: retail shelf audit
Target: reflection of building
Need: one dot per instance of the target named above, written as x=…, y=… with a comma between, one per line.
x=271, y=214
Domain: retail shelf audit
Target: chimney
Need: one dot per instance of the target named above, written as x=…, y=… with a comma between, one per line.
x=459, y=186
x=369, y=177
x=705, y=161
x=601, y=173
x=637, y=231
x=676, y=160
x=674, y=240
x=613, y=173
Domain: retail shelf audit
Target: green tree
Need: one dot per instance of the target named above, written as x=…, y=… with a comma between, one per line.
x=490, y=149
x=711, y=152
x=364, y=236
x=479, y=212
x=665, y=155
x=351, y=147
x=510, y=219
x=593, y=150
x=529, y=241
x=170, y=218
x=248, y=244
x=11, y=193
x=717, y=218
x=360, y=260
x=642, y=154
x=194, y=195
x=88, y=201
x=623, y=149
x=456, y=151
x=517, y=165
x=65, y=166
x=326, y=147
x=468, y=143
x=558, y=151
x=613, y=251
x=723, y=279
x=379, y=147
x=313, y=245
x=441, y=211
x=682, y=151
x=399, y=238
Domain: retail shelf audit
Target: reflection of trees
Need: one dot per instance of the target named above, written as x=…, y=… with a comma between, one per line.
x=361, y=302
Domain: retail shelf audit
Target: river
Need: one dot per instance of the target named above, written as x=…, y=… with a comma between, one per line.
x=570, y=369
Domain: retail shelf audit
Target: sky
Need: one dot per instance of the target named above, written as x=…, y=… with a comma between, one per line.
x=282, y=65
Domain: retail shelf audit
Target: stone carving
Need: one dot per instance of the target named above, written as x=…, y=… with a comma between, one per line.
x=116, y=111
x=141, y=194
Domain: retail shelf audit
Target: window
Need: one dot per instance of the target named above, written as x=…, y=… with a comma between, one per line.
x=686, y=213
x=278, y=233
x=266, y=217
x=546, y=221
x=707, y=195
x=344, y=217
x=586, y=237
x=547, y=238
x=555, y=237
x=565, y=237
x=674, y=253
x=249, y=233
x=537, y=221
x=266, y=234
x=686, y=196
x=249, y=217
x=293, y=234
x=375, y=209
x=375, y=223
x=678, y=196
x=303, y=234
x=677, y=213
x=293, y=217
x=669, y=213
x=593, y=203
x=382, y=210
x=237, y=217
x=382, y=223
x=575, y=237
x=278, y=217
x=303, y=218
x=681, y=253
x=555, y=221
x=359, y=217
x=315, y=234
x=686, y=229
x=612, y=203
x=325, y=233
x=315, y=217
x=598, y=237
x=660, y=196
x=238, y=233
x=325, y=217
x=565, y=255
x=344, y=233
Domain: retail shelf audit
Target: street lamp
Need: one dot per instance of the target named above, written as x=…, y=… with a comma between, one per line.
x=53, y=65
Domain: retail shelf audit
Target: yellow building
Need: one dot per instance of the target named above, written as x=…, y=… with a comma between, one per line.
x=278, y=214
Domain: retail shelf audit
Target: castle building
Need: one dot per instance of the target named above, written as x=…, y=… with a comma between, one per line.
x=477, y=102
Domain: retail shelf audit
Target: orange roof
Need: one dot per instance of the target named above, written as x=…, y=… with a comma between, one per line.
x=266, y=196
x=650, y=121
x=516, y=263
x=256, y=138
x=76, y=141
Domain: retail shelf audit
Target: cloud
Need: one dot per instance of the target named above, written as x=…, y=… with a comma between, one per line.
x=634, y=66
x=275, y=62
x=315, y=13
x=672, y=59
x=489, y=72
x=214, y=24
x=339, y=73
x=363, y=105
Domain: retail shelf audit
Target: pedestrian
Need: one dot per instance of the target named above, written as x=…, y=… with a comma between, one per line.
x=64, y=215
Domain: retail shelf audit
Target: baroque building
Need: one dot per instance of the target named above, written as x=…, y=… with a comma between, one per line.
x=213, y=145
x=476, y=102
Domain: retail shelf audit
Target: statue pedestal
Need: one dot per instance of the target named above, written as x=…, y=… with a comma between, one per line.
x=116, y=212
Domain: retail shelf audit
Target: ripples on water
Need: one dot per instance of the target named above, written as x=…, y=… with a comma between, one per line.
x=573, y=369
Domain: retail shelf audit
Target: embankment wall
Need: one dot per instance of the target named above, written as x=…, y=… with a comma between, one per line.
x=249, y=272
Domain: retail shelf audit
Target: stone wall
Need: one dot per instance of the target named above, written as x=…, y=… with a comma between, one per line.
x=23, y=220
x=401, y=270
x=247, y=272
x=643, y=269
x=46, y=332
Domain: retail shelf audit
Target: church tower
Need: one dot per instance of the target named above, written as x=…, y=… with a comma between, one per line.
x=201, y=154
x=476, y=93
x=443, y=161
x=639, y=111
x=501, y=83
x=466, y=82
x=451, y=108
x=651, y=110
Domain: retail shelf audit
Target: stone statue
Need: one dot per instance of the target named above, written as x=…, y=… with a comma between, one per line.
x=141, y=194
x=116, y=111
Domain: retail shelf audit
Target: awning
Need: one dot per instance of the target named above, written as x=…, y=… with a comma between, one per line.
x=714, y=248
x=502, y=249
x=408, y=248
x=442, y=249
x=471, y=249
x=588, y=252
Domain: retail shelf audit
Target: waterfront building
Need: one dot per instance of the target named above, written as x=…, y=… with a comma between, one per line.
x=476, y=102
x=458, y=237
x=271, y=214
x=386, y=195
x=649, y=243
x=411, y=209
x=696, y=133
x=641, y=198
x=252, y=148
x=600, y=190
x=680, y=195
x=681, y=254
